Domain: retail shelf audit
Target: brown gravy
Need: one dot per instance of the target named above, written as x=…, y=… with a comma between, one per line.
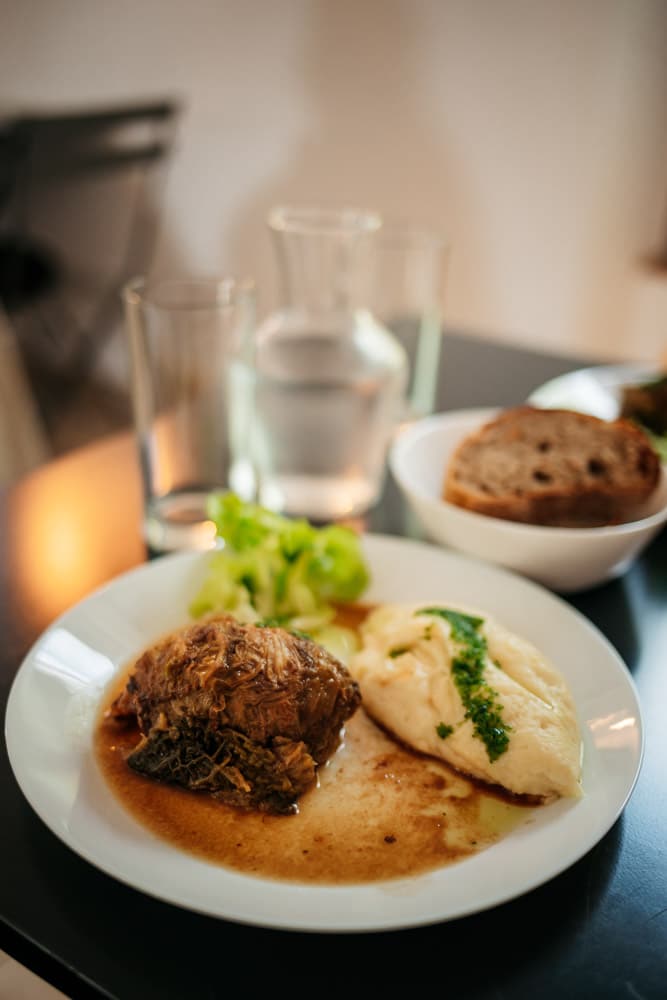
x=378, y=811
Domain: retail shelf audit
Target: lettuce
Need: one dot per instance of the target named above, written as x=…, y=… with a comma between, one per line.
x=659, y=442
x=276, y=570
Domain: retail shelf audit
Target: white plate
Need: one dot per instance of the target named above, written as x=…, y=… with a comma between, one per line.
x=58, y=688
x=595, y=390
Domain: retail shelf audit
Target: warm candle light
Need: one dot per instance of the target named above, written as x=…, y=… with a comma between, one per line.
x=61, y=544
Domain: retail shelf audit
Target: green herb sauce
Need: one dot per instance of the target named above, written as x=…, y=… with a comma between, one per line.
x=479, y=699
x=398, y=651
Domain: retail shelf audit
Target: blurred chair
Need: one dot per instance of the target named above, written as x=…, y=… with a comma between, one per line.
x=80, y=204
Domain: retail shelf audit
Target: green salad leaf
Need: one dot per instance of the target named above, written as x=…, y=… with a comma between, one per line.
x=659, y=442
x=276, y=570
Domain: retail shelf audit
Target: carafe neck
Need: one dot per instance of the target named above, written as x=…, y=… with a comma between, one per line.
x=325, y=258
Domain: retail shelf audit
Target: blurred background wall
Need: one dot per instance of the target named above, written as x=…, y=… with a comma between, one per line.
x=533, y=132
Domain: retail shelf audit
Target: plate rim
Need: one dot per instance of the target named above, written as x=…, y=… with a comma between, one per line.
x=616, y=663
x=606, y=373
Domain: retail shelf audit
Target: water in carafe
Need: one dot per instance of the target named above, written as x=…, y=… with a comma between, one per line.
x=317, y=398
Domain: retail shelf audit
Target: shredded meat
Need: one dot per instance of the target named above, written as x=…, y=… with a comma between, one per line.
x=243, y=712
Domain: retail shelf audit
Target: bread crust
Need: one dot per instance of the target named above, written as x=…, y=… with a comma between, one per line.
x=553, y=467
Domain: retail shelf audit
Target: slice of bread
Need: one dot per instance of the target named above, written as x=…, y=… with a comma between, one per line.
x=553, y=467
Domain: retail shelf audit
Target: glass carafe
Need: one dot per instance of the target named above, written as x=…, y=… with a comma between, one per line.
x=321, y=387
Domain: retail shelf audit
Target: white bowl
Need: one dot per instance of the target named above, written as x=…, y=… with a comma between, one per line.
x=563, y=559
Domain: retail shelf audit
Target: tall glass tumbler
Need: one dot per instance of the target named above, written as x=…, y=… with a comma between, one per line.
x=411, y=265
x=182, y=334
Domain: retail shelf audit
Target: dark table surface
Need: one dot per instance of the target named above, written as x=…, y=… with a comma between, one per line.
x=597, y=930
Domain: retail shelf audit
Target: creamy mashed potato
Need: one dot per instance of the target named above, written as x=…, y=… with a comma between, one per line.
x=409, y=670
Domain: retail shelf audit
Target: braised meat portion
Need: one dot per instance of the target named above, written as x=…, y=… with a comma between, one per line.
x=244, y=712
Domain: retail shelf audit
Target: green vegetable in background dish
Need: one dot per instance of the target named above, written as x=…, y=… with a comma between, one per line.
x=279, y=571
x=646, y=404
x=659, y=442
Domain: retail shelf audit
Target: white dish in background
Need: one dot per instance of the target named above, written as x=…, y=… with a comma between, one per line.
x=596, y=390
x=57, y=691
x=563, y=559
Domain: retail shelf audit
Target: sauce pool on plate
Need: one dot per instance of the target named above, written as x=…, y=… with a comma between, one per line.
x=378, y=811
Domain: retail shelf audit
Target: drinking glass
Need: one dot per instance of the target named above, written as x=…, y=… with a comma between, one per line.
x=409, y=299
x=182, y=333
